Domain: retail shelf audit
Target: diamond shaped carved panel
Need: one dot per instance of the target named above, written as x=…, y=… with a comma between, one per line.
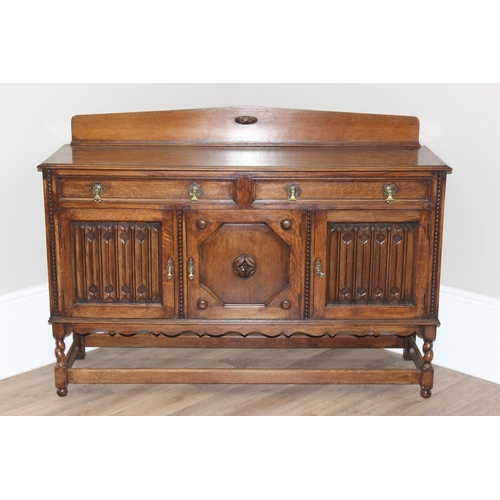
x=250, y=251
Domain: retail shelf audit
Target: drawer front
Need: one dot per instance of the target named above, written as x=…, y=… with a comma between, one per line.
x=342, y=190
x=192, y=191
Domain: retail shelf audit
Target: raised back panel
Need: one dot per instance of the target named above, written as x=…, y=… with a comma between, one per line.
x=246, y=125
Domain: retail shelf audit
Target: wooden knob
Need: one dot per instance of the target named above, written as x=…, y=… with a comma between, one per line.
x=286, y=224
x=201, y=224
x=286, y=304
x=202, y=304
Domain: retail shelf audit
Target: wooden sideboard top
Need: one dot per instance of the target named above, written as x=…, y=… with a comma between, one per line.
x=243, y=158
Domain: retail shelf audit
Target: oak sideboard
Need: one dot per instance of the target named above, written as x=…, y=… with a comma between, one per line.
x=247, y=227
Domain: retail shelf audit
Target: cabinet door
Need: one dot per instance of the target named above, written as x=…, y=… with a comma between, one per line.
x=244, y=264
x=371, y=264
x=113, y=263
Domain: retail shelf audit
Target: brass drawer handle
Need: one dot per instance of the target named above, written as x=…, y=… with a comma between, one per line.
x=318, y=270
x=292, y=190
x=389, y=189
x=170, y=269
x=97, y=189
x=191, y=269
x=194, y=191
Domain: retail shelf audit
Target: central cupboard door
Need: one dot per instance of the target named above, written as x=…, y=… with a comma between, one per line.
x=244, y=264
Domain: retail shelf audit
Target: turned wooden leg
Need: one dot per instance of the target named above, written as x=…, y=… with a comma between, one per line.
x=60, y=373
x=427, y=368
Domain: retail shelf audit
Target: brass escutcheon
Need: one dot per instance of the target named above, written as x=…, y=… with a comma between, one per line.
x=318, y=270
x=190, y=269
x=170, y=269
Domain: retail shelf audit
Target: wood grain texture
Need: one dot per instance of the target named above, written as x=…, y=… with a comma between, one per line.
x=276, y=252
x=117, y=262
x=32, y=393
x=240, y=376
x=272, y=125
x=165, y=190
x=272, y=158
x=371, y=264
x=104, y=263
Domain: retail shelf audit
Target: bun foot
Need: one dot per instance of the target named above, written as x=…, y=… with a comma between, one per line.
x=425, y=393
x=62, y=392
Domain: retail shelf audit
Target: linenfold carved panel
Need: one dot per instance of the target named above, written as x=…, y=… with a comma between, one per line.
x=117, y=262
x=371, y=264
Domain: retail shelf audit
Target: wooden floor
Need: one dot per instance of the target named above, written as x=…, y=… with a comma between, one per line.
x=454, y=393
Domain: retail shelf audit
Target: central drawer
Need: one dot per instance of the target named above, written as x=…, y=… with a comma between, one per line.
x=329, y=190
x=103, y=189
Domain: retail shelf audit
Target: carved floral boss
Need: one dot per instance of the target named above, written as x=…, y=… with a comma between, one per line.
x=244, y=266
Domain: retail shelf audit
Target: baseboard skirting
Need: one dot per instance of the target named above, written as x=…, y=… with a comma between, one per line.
x=467, y=341
x=27, y=341
x=25, y=295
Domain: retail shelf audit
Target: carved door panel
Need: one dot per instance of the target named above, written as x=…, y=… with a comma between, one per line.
x=372, y=265
x=244, y=264
x=116, y=263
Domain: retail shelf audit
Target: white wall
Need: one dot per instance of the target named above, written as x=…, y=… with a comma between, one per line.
x=459, y=122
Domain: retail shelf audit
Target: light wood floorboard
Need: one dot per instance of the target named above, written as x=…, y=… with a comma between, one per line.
x=454, y=393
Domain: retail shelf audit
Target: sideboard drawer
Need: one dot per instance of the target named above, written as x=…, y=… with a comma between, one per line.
x=327, y=190
x=190, y=191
